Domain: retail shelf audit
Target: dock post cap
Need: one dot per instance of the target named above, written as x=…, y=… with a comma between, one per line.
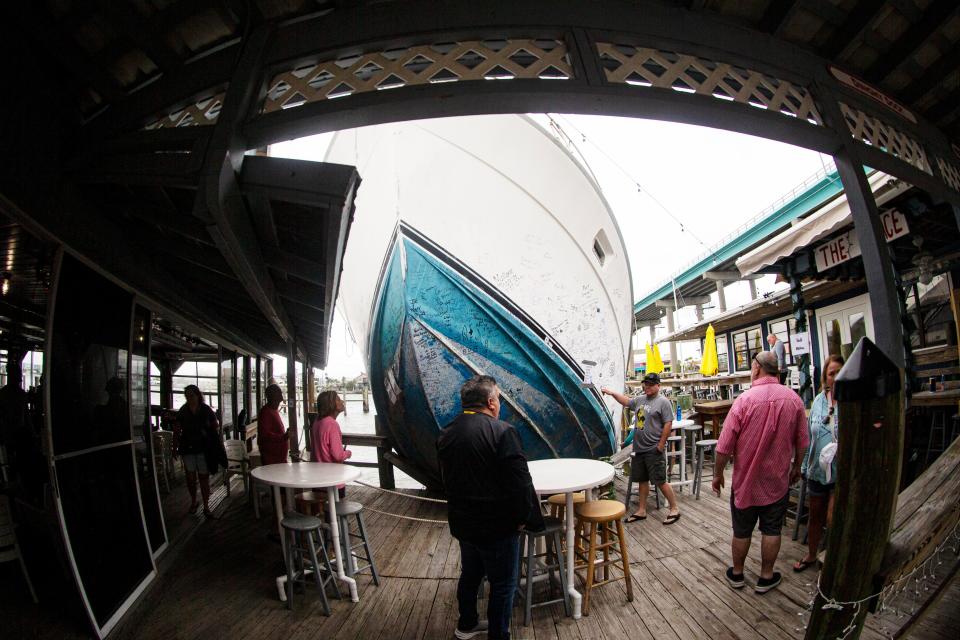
x=868, y=373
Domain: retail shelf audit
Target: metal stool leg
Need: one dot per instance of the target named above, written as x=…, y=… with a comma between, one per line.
x=698, y=473
x=316, y=573
x=346, y=553
x=528, y=596
x=291, y=542
x=801, y=500
x=366, y=549
x=563, y=572
x=626, y=500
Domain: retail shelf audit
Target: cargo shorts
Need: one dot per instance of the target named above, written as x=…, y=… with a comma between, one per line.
x=648, y=466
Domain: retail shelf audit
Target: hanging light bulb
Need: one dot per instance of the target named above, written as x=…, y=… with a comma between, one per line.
x=6, y=276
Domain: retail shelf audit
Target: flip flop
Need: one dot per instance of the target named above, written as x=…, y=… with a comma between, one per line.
x=801, y=565
x=672, y=518
x=635, y=517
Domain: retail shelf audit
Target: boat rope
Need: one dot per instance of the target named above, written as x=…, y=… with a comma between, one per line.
x=397, y=515
x=398, y=493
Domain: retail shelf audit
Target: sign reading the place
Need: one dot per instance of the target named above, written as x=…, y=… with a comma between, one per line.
x=846, y=247
x=869, y=90
x=799, y=344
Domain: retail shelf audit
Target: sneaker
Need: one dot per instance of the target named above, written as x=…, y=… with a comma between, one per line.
x=480, y=627
x=766, y=584
x=735, y=580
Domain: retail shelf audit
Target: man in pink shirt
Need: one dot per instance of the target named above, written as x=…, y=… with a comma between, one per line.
x=766, y=435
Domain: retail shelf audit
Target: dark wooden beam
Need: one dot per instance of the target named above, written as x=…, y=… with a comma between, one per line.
x=128, y=21
x=934, y=17
x=303, y=182
x=66, y=51
x=848, y=33
x=776, y=16
x=312, y=272
x=933, y=76
x=946, y=105
x=310, y=296
x=219, y=192
x=65, y=218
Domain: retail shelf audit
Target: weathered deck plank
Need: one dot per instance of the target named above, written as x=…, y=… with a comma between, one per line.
x=221, y=583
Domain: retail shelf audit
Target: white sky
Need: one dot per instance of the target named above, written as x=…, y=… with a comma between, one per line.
x=712, y=181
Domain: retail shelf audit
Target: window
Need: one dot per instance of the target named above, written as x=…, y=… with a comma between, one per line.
x=784, y=329
x=746, y=344
x=723, y=362
x=601, y=247
x=202, y=374
x=227, y=378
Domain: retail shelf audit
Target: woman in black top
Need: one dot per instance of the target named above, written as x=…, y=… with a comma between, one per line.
x=196, y=432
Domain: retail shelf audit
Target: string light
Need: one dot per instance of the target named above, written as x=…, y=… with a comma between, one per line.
x=890, y=597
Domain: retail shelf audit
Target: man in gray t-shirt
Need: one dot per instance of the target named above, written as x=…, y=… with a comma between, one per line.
x=649, y=441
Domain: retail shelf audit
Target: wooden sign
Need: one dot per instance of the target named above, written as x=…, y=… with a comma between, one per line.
x=847, y=247
x=872, y=92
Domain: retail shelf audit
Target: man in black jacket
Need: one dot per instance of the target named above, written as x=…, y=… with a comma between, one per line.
x=490, y=498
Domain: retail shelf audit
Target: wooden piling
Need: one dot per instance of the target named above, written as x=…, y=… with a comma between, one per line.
x=869, y=389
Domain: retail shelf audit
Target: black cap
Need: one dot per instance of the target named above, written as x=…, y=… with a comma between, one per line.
x=652, y=378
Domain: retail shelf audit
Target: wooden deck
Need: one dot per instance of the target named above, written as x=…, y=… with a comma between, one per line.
x=221, y=583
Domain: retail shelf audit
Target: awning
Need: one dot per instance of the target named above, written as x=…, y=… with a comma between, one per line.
x=830, y=218
x=762, y=310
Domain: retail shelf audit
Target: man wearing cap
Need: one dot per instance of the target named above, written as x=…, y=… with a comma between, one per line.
x=766, y=434
x=649, y=442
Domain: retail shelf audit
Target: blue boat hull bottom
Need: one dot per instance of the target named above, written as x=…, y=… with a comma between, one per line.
x=436, y=324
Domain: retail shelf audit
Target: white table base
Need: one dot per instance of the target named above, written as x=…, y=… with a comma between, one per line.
x=332, y=498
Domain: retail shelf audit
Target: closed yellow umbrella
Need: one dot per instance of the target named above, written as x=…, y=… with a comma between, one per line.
x=650, y=362
x=657, y=366
x=709, y=364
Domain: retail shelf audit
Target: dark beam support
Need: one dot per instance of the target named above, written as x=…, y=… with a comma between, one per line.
x=219, y=192
x=292, y=401
x=881, y=280
x=778, y=13
x=936, y=14
x=94, y=239
x=946, y=105
x=312, y=297
x=933, y=76
x=525, y=96
x=302, y=268
x=848, y=34
x=128, y=21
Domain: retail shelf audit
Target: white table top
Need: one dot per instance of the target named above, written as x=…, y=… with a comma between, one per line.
x=684, y=423
x=566, y=475
x=306, y=475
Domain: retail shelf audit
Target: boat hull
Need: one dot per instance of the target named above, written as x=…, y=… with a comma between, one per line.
x=436, y=325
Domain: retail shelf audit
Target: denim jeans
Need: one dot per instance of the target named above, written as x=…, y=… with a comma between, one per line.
x=498, y=560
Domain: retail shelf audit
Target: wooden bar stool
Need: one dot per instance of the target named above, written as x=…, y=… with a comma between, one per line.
x=558, y=504
x=601, y=515
x=312, y=503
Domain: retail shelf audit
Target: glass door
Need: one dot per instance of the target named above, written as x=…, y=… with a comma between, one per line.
x=90, y=443
x=842, y=325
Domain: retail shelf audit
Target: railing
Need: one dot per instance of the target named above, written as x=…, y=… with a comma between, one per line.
x=767, y=211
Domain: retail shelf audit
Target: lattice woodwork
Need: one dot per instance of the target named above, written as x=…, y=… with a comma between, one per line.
x=427, y=64
x=644, y=67
x=876, y=133
x=950, y=173
x=204, y=112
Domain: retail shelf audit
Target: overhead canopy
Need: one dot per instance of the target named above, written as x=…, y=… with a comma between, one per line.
x=831, y=217
x=761, y=310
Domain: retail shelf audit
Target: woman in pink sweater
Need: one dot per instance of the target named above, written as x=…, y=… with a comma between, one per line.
x=326, y=441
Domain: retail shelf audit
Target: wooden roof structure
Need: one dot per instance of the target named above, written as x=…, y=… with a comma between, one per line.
x=109, y=52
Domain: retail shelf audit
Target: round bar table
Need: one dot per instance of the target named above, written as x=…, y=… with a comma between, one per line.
x=569, y=475
x=309, y=475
